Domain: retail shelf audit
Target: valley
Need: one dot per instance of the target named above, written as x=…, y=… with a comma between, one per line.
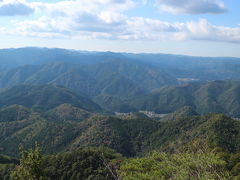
x=125, y=106
x=119, y=90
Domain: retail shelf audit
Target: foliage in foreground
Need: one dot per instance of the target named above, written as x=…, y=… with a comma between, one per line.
x=31, y=166
x=193, y=163
x=7, y=164
x=89, y=163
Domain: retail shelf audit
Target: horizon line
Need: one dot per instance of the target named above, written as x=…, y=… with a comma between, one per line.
x=119, y=52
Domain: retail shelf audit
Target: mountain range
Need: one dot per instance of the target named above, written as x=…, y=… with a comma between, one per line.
x=44, y=97
x=123, y=82
x=67, y=128
x=179, y=66
x=77, y=104
x=71, y=97
x=216, y=96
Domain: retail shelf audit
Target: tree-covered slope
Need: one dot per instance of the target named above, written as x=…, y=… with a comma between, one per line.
x=193, y=67
x=215, y=96
x=67, y=128
x=122, y=82
x=7, y=165
x=68, y=112
x=216, y=129
x=54, y=130
x=201, y=68
x=14, y=113
x=146, y=76
x=18, y=75
x=113, y=77
x=44, y=97
x=12, y=58
x=185, y=111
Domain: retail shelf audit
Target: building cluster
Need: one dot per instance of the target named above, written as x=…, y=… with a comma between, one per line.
x=152, y=114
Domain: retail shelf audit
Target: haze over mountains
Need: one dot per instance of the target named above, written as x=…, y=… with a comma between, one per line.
x=70, y=100
x=123, y=82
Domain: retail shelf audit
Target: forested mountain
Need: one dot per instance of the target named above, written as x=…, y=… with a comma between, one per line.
x=108, y=83
x=215, y=96
x=81, y=164
x=11, y=58
x=44, y=97
x=114, y=83
x=197, y=160
x=90, y=79
x=202, y=68
x=111, y=79
x=67, y=128
x=69, y=101
x=185, y=111
x=145, y=76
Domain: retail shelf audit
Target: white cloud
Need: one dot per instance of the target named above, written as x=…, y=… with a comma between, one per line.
x=72, y=7
x=192, y=6
x=81, y=19
x=15, y=7
x=203, y=30
x=77, y=18
x=121, y=27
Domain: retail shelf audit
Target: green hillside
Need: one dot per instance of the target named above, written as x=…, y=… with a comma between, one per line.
x=200, y=68
x=44, y=97
x=77, y=77
x=146, y=76
x=109, y=83
x=215, y=96
x=67, y=128
x=68, y=112
x=14, y=113
x=183, y=112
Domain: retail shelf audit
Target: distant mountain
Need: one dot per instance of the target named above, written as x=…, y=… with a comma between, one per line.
x=96, y=76
x=44, y=97
x=109, y=78
x=193, y=67
x=11, y=58
x=34, y=74
x=65, y=99
x=108, y=83
x=216, y=96
x=147, y=77
x=17, y=76
x=178, y=66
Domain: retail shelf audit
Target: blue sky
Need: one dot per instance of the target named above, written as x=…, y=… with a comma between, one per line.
x=191, y=27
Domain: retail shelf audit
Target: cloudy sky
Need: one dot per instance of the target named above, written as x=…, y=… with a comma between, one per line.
x=192, y=27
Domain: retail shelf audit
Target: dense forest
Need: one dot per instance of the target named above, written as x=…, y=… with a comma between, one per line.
x=196, y=160
x=150, y=148
x=100, y=115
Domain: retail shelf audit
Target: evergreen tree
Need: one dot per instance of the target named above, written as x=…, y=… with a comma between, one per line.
x=31, y=165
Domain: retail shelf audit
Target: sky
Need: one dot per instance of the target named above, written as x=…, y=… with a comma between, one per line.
x=190, y=27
